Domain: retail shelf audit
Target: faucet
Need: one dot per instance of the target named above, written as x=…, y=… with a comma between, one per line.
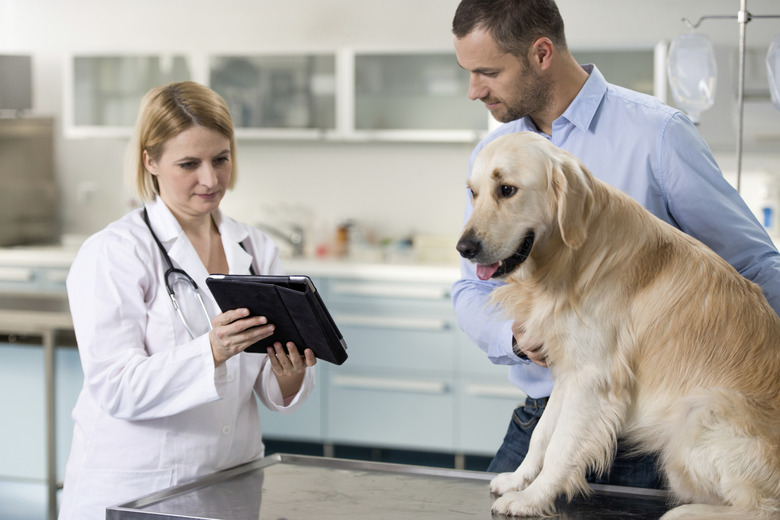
x=294, y=236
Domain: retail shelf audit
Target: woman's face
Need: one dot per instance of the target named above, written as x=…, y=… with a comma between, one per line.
x=193, y=171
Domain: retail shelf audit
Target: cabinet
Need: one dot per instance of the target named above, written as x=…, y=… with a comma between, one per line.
x=295, y=92
x=413, y=380
x=103, y=93
x=343, y=95
x=398, y=388
x=414, y=96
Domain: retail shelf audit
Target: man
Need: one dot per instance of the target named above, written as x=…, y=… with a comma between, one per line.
x=521, y=68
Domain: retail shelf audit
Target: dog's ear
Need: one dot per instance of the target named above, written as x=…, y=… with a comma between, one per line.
x=574, y=197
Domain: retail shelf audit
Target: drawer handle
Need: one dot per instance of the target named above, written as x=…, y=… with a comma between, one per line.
x=396, y=385
x=356, y=320
x=16, y=274
x=494, y=391
x=58, y=276
x=403, y=291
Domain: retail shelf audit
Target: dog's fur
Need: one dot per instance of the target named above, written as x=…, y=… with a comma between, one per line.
x=651, y=337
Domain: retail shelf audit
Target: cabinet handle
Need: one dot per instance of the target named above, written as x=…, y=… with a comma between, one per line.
x=16, y=274
x=57, y=276
x=356, y=320
x=396, y=385
x=393, y=291
x=495, y=391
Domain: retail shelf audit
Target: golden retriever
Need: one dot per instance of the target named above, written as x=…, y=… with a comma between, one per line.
x=651, y=338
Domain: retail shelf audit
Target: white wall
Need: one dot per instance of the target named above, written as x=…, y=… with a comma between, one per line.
x=395, y=188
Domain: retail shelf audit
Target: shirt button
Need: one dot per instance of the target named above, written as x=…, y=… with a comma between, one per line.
x=226, y=430
x=231, y=376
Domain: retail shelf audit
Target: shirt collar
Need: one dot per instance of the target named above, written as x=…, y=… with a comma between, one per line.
x=583, y=109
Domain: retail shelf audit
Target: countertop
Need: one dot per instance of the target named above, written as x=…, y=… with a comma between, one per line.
x=317, y=488
x=62, y=256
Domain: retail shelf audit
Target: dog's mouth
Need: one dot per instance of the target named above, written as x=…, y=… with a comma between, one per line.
x=507, y=265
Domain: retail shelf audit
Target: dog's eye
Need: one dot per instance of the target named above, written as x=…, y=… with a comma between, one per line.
x=507, y=191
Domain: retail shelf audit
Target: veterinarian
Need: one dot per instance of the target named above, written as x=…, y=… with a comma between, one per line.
x=521, y=68
x=168, y=396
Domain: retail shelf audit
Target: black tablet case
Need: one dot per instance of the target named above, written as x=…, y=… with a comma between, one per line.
x=291, y=303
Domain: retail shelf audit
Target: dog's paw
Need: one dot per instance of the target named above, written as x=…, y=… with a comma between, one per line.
x=508, y=482
x=517, y=504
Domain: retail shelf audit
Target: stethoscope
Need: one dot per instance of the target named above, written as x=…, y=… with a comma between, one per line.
x=173, y=271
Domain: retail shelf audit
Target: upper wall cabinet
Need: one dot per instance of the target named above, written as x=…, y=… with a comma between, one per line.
x=103, y=93
x=289, y=95
x=345, y=95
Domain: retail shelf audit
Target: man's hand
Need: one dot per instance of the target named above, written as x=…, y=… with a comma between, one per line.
x=528, y=345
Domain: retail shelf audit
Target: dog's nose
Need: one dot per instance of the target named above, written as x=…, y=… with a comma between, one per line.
x=468, y=247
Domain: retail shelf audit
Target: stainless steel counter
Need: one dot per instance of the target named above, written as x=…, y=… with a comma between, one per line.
x=293, y=487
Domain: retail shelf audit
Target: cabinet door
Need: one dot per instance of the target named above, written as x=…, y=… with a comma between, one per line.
x=103, y=93
x=414, y=92
x=305, y=423
x=392, y=410
x=277, y=92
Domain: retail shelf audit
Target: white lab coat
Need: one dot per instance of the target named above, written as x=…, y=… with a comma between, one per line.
x=153, y=411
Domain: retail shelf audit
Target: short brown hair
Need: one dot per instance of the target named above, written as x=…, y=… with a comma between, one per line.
x=166, y=111
x=514, y=24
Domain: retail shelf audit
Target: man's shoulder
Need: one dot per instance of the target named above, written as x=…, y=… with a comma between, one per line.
x=617, y=97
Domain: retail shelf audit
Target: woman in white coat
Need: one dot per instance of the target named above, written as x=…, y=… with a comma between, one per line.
x=169, y=397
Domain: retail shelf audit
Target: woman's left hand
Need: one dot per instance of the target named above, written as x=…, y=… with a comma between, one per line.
x=289, y=366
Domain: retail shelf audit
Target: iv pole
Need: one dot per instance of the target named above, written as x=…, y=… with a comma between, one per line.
x=743, y=17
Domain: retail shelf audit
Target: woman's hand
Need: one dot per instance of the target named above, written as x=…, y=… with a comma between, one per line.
x=289, y=366
x=528, y=345
x=233, y=331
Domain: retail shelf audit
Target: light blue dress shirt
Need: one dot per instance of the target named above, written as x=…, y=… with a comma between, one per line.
x=653, y=153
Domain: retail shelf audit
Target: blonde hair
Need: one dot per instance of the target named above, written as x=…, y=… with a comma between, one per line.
x=165, y=112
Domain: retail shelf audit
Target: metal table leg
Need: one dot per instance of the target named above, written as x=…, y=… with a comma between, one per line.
x=51, y=424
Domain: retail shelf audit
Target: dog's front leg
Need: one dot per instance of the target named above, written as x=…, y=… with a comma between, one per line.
x=532, y=463
x=583, y=436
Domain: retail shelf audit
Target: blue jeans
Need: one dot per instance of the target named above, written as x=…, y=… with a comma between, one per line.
x=635, y=471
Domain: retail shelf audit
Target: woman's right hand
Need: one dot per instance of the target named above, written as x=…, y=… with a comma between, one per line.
x=233, y=331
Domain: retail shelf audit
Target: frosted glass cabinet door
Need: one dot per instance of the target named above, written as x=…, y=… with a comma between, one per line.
x=426, y=91
x=107, y=90
x=291, y=91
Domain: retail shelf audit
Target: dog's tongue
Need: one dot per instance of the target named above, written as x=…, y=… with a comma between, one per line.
x=484, y=272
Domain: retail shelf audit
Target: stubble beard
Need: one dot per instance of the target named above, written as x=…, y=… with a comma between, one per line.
x=534, y=97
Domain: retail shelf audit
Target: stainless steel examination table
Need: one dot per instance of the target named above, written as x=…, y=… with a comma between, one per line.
x=293, y=487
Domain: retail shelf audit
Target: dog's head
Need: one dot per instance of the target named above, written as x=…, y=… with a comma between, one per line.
x=524, y=190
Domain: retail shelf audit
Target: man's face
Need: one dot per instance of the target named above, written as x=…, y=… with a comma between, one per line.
x=509, y=85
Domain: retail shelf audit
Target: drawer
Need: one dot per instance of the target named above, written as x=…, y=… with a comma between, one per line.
x=385, y=297
x=305, y=423
x=382, y=344
x=387, y=411
x=23, y=278
x=485, y=409
x=473, y=361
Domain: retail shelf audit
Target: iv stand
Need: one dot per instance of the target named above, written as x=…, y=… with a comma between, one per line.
x=742, y=17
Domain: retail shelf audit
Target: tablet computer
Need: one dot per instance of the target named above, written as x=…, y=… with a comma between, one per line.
x=291, y=303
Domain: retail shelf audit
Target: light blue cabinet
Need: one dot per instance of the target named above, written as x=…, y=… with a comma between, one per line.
x=412, y=381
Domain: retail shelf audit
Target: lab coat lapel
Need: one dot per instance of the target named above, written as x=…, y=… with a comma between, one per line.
x=239, y=259
x=175, y=241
